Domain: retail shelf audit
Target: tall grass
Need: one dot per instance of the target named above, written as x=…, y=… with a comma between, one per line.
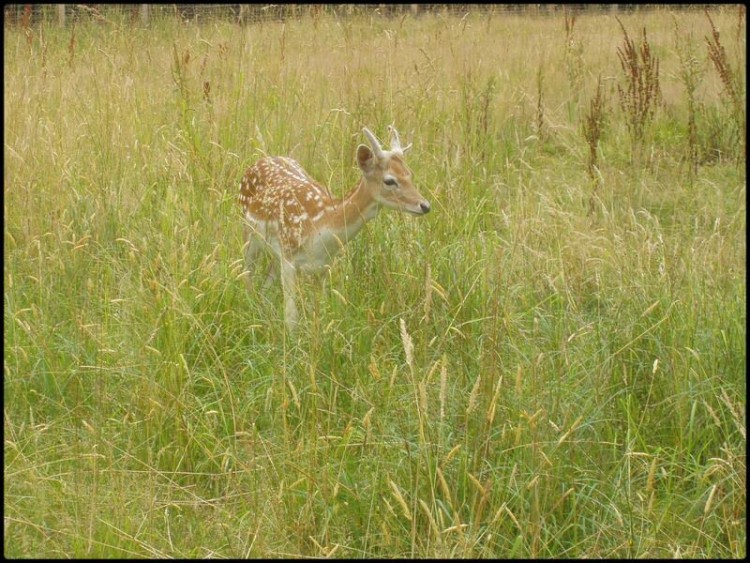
x=512, y=376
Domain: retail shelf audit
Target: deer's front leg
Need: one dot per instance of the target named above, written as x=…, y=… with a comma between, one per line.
x=289, y=285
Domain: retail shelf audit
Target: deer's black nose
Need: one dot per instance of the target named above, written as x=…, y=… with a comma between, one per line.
x=425, y=206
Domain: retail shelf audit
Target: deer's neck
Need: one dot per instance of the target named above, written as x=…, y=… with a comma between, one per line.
x=351, y=213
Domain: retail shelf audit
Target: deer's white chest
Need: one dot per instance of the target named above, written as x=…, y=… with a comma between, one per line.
x=319, y=250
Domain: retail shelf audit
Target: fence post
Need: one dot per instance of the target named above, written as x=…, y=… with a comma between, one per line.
x=61, y=14
x=144, y=14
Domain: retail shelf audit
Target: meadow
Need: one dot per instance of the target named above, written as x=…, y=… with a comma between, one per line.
x=549, y=364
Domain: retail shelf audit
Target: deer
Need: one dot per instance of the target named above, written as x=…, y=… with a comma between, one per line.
x=287, y=213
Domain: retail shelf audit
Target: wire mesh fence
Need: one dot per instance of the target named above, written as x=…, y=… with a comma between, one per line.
x=144, y=14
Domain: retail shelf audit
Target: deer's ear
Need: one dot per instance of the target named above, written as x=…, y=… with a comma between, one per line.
x=365, y=158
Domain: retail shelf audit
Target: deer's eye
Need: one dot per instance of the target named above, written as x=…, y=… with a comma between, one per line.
x=391, y=182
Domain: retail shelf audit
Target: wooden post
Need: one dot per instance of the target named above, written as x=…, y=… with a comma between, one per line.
x=61, y=14
x=144, y=14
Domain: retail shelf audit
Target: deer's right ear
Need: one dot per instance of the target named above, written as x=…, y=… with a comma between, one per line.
x=365, y=158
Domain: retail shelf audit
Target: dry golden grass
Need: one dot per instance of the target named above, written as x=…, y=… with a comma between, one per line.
x=521, y=374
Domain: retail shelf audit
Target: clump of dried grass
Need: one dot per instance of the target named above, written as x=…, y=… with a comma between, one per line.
x=641, y=94
x=730, y=79
x=593, y=123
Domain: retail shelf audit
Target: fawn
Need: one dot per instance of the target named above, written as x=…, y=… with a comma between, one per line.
x=298, y=219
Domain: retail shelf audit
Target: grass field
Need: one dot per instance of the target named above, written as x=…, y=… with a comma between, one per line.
x=550, y=364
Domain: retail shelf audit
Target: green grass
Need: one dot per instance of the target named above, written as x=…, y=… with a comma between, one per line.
x=518, y=374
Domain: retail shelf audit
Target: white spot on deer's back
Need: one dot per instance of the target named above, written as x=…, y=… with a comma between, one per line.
x=297, y=219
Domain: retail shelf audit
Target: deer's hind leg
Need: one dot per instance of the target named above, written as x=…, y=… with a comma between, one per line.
x=253, y=249
x=289, y=286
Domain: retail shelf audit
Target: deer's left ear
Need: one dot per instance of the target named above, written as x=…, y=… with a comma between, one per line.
x=365, y=158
